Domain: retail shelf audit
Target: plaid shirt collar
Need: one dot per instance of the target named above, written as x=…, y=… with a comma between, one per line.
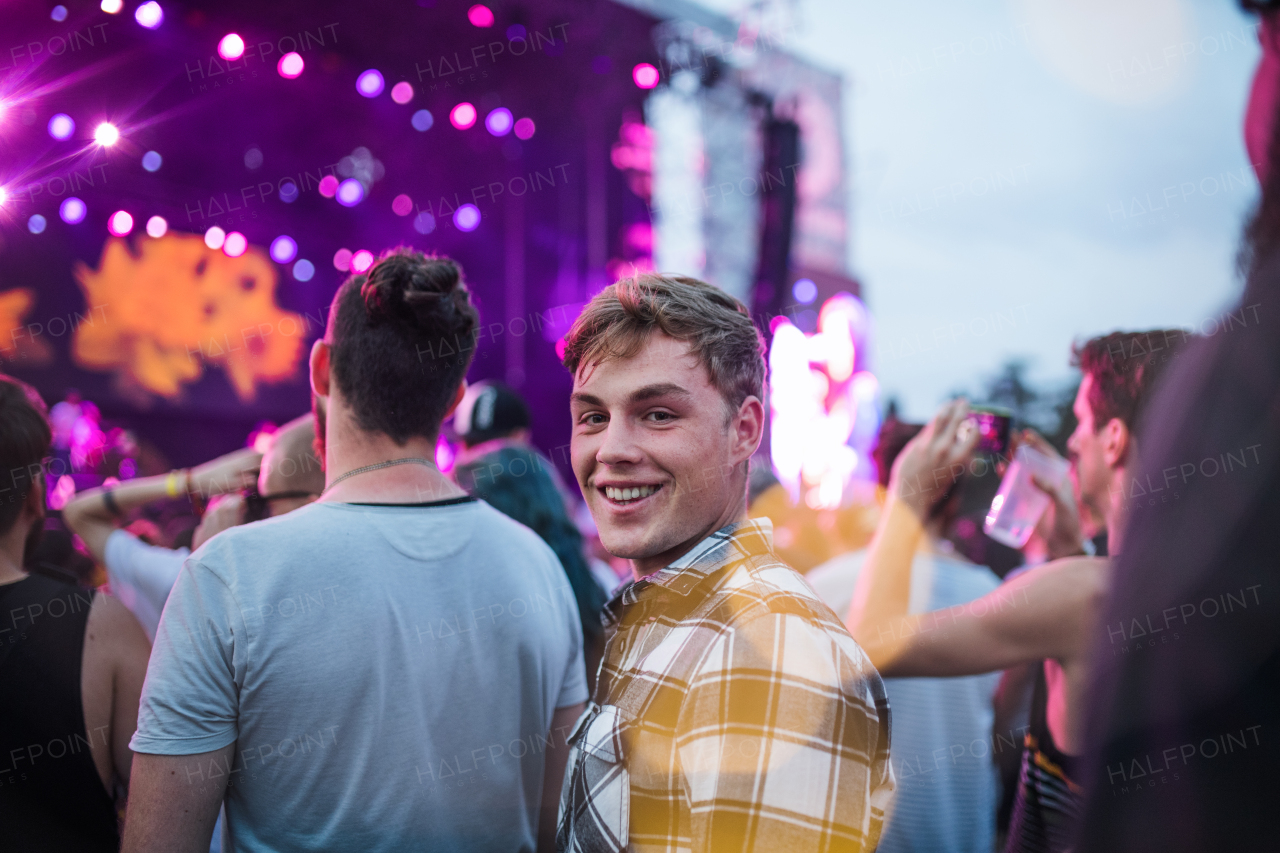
x=734, y=541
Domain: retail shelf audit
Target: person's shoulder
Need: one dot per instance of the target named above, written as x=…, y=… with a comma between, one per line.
x=109, y=616
x=1072, y=582
x=494, y=527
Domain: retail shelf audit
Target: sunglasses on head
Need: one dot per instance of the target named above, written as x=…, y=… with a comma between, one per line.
x=258, y=506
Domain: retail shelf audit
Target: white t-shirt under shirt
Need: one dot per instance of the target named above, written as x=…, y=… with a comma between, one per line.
x=388, y=674
x=941, y=740
x=141, y=575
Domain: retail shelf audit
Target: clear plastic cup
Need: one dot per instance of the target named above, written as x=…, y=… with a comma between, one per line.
x=1018, y=505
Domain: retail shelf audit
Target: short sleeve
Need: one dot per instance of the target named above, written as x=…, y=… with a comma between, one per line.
x=142, y=575
x=190, y=701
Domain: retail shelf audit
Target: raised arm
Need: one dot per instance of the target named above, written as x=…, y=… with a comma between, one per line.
x=90, y=514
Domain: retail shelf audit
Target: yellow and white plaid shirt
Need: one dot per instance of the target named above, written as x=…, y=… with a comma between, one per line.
x=733, y=712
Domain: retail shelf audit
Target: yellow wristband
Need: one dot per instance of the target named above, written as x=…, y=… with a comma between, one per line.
x=171, y=484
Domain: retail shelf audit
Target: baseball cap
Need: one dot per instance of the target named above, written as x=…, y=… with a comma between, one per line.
x=489, y=410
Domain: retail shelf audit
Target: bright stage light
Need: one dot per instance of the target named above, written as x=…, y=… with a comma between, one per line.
x=303, y=270
x=499, y=122
x=467, y=217
x=149, y=15
x=480, y=16
x=370, y=83
x=157, y=227
x=645, y=75
x=422, y=120
x=804, y=290
x=283, y=249
x=350, y=192
x=402, y=205
x=4, y=196
x=328, y=186
x=59, y=13
x=235, y=244
x=361, y=260
x=36, y=223
x=290, y=65
x=463, y=116
x=120, y=223
x=402, y=92
x=61, y=126
x=72, y=210
x=111, y=7
x=106, y=135
x=215, y=237
x=342, y=260
x=231, y=47
x=525, y=128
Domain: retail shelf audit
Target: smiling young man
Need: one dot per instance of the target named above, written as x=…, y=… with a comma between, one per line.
x=733, y=711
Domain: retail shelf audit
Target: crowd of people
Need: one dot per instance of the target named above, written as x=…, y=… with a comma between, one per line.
x=360, y=651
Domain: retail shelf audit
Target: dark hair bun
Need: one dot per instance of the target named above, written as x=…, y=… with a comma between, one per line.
x=421, y=291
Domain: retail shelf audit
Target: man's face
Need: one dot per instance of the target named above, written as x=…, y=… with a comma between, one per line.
x=1087, y=450
x=657, y=464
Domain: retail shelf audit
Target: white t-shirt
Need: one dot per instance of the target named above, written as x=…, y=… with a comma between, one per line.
x=942, y=742
x=387, y=673
x=141, y=575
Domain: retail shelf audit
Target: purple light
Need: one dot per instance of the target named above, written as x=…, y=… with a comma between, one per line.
x=422, y=120
x=36, y=224
x=342, y=260
x=499, y=122
x=149, y=15
x=480, y=16
x=235, y=245
x=350, y=192
x=283, y=249
x=463, y=116
x=402, y=92
x=72, y=210
x=303, y=270
x=467, y=217
x=231, y=47
x=516, y=31
x=402, y=205
x=120, y=223
x=328, y=186
x=424, y=223
x=361, y=260
x=215, y=237
x=525, y=128
x=804, y=290
x=290, y=65
x=370, y=83
x=645, y=75
x=61, y=126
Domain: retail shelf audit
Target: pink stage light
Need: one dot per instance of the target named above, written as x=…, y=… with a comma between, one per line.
x=290, y=65
x=106, y=134
x=215, y=237
x=402, y=92
x=235, y=245
x=350, y=192
x=157, y=227
x=499, y=122
x=283, y=249
x=463, y=116
x=342, y=260
x=231, y=47
x=525, y=128
x=61, y=126
x=120, y=223
x=149, y=14
x=402, y=205
x=467, y=218
x=370, y=83
x=361, y=260
x=645, y=75
x=72, y=210
x=328, y=186
x=480, y=16
x=111, y=7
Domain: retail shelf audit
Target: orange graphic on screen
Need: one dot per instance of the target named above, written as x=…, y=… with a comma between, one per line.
x=19, y=340
x=175, y=305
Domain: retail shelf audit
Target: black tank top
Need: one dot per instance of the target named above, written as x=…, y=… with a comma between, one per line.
x=1048, y=804
x=51, y=797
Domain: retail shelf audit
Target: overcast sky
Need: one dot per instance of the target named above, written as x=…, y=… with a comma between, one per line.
x=1029, y=172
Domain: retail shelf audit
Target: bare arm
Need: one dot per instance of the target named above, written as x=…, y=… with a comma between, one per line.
x=115, y=663
x=87, y=514
x=174, y=801
x=557, y=757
